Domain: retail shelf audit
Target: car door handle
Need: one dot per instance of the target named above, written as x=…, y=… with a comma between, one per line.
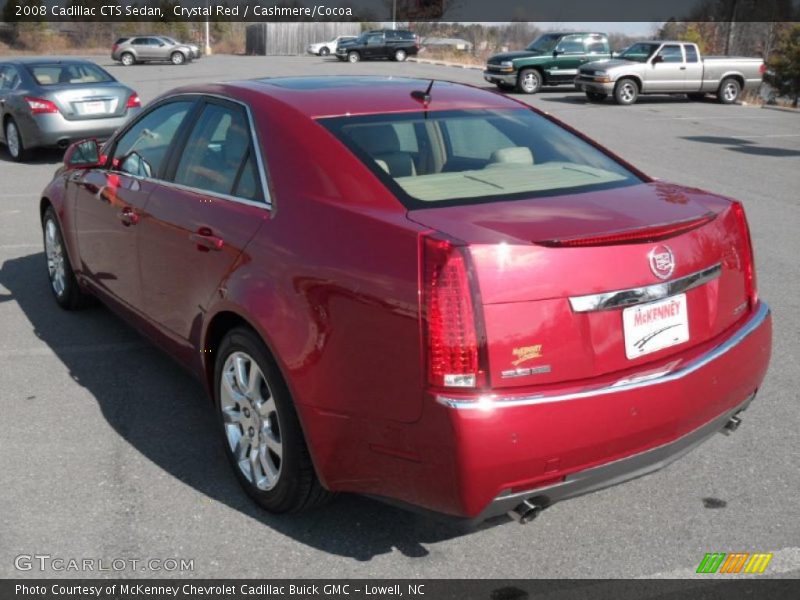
x=683, y=68
x=206, y=240
x=128, y=216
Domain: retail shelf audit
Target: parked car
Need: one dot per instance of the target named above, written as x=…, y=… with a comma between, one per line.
x=384, y=289
x=51, y=102
x=326, y=48
x=395, y=44
x=659, y=67
x=196, y=51
x=130, y=51
x=552, y=59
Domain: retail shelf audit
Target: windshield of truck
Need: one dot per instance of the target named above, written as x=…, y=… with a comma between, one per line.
x=469, y=156
x=544, y=43
x=639, y=52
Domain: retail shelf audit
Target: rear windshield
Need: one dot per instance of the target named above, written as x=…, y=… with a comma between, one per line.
x=471, y=156
x=54, y=74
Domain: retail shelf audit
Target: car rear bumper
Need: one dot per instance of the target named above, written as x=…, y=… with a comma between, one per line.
x=496, y=77
x=46, y=130
x=552, y=445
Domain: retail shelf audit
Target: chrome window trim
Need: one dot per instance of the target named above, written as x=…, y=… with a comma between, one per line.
x=267, y=202
x=624, y=385
x=644, y=294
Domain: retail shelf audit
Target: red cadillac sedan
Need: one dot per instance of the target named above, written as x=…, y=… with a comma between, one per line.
x=427, y=293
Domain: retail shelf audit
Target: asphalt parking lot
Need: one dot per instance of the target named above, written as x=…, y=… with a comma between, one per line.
x=107, y=449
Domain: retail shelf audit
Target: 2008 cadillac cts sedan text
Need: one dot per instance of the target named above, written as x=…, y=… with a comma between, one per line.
x=433, y=295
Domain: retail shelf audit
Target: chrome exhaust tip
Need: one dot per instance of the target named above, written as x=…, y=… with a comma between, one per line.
x=732, y=425
x=525, y=512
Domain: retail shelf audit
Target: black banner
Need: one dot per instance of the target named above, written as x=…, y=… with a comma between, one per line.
x=400, y=10
x=709, y=588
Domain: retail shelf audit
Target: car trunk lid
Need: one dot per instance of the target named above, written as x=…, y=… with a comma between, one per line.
x=80, y=102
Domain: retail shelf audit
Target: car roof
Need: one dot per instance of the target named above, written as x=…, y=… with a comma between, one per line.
x=332, y=95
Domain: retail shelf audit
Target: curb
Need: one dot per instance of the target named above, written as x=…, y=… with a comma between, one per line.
x=442, y=63
x=781, y=108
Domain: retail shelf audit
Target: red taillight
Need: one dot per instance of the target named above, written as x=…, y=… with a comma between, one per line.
x=633, y=236
x=747, y=255
x=449, y=317
x=762, y=69
x=114, y=47
x=41, y=106
x=133, y=101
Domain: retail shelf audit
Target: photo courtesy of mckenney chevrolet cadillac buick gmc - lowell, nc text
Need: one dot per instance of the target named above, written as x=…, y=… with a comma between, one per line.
x=421, y=291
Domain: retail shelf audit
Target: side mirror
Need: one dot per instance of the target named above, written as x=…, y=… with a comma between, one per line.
x=82, y=155
x=657, y=59
x=556, y=53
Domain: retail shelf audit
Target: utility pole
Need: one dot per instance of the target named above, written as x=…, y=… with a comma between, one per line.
x=208, y=31
x=394, y=14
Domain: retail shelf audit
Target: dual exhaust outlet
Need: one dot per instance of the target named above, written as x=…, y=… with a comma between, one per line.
x=528, y=510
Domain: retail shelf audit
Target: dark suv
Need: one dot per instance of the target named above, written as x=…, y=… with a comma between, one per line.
x=552, y=59
x=396, y=44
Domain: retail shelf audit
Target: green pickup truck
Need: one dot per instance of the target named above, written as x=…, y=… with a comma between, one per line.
x=552, y=59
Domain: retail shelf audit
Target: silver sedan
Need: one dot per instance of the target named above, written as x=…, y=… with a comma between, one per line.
x=51, y=102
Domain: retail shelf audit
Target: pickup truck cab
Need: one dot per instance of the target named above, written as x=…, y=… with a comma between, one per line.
x=551, y=59
x=396, y=44
x=668, y=67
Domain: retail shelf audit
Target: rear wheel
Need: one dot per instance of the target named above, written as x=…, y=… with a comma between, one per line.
x=530, y=81
x=324, y=51
x=261, y=431
x=14, y=143
x=127, y=59
x=177, y=58
x=400, y=55
x=596, y=96
x=353, y=56
x=729, y=91
x=626, y=92
x=63, y=283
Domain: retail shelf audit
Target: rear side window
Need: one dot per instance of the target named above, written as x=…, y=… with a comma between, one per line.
x=142, y=150
x=691, y=53
x=217, y=156
x=122, y=40
x=9, y=78
x=470, y=156
x=60, y=73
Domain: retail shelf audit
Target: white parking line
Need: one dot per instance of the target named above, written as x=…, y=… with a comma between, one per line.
x=783, y=561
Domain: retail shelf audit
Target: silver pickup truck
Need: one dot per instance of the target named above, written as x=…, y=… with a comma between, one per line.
x=659, y=67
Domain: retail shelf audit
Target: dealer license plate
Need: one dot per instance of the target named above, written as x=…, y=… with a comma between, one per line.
x=96, y=107
x=655, y=326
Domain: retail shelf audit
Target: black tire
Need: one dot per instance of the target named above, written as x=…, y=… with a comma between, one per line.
x=127, y=59
x=67, y=293
x=16, y=149
x=177, y=58
x=324, y=51
x=353, y=57
x=729, y=91
x=297, y=487
x=529, y=81
x=596, y=96
x=400, y=55
x=626, y=92
x=695, y=97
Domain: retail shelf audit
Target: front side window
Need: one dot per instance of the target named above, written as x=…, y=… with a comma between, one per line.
x=470, y=156
x=671, y=54
x=374, y=40
x=142, y=150
x=571, y=44
x=60, y=73
x=217, y=156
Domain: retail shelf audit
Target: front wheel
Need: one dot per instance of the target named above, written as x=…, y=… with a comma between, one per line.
x=626, y=92
x=530, y=81
x=596, y=96
x=261, y=431
x=353, y=57
x=14, y=143
x=177, y=58
x=63, y=283
x=400, y=55
x=729, y=91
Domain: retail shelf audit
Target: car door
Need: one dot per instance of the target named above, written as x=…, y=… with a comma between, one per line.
x=143, y=47
x=198, y=224
x=375, y=46
x=110, y=201
x=666, y=71
x=568, y=56
x=693, y=75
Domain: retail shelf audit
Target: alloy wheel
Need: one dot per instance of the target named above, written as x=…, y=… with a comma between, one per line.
x=730, y=92
x=12, y=139
x=55, y=258
x=251, y=423
x=627, y=92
